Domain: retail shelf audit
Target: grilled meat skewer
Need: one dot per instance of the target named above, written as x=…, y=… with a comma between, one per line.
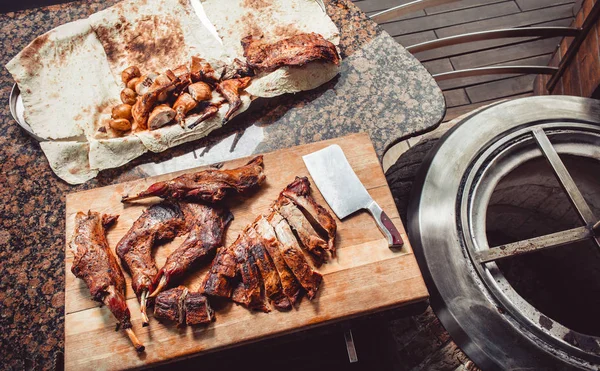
x=160, y=222
x=207, y=185
x=97, y=266
x=207, y=229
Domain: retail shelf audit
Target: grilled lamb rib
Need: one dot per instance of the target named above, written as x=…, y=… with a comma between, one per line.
x=218, y=280
x=97, y=266
x=248, y=291
x=207, y=229
x=207, y=185
x=160, y=222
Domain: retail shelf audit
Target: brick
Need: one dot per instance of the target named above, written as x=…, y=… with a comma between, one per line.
x=571, y=79
x=589, y=64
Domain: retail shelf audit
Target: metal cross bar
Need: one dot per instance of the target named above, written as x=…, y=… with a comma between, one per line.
x=494, y=70
x=534, y=244
x=542, y=32
x=566, y=181
x=400, y=10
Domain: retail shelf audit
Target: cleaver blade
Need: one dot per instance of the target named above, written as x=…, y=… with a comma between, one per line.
x=344, y=192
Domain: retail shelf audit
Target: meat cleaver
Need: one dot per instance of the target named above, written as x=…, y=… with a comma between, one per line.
x=344, y=192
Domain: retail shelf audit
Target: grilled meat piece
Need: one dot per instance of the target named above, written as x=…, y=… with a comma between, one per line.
x=293, y=256
x=208, y=112
x=95, y=264
x=160, y=222
x=236, y=70
x=203, y=71
x=184, y=307
x=207, y=229
x=268, y=272
x=218, y=280
x=296, y=50
x=248, y=291
x=299, y=193
x=291, y=287
x=230, y=89
x=308, y=236
x=169, y=305
x=207, y=185
x=197, y=309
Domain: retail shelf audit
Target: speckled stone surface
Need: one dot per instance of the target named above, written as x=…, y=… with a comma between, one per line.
x=382, y=90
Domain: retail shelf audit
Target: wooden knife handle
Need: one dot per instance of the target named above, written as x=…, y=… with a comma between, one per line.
x=385, y=225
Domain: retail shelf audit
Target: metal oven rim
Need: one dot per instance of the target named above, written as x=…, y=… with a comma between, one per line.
x=488, y=328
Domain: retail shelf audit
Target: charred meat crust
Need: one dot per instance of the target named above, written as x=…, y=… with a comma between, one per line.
x=160, y=222
x=291, y=287
x=248, y=292
x=293, y=256
x=296, y=50
x=310, y=239
x=207, y=185
x=299, y=193
x=184, y=307
x=267, y=270
x=218, y=280
x=207, y=226
x=95, y=264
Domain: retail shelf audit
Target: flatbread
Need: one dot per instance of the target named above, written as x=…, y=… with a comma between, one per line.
x=153, y=35
x=65, y=82
x=70, y=77
x=69, y=160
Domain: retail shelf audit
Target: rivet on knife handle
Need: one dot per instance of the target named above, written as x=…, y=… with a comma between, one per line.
x=385, y=225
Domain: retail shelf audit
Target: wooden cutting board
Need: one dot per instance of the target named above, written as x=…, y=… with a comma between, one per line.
x=366, y=276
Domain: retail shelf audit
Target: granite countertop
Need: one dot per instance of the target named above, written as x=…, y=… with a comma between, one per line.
x=382, y=90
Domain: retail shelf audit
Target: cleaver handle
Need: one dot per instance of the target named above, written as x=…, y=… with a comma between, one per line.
x=385, y=225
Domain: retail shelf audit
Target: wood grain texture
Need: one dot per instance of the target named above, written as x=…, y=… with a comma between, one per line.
x=366, y=277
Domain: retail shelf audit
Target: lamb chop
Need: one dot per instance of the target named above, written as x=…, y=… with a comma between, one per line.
x=183, y=307
x=207, y=185
x=291, y=287
x=293, y=256
x=268, y=272
x=308, y=236
x=207, y=229
x=97, y=266
x=296, y=50
x=160, y=222
x=299, y=193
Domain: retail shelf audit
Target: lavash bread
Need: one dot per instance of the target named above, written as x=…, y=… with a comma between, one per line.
x=70, y=79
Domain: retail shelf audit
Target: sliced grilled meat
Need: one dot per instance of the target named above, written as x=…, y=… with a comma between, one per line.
x=308, y=236
x=291, y=287
x=296, y=50
x=207, y=185
x=248, y=292
x=268, y=272
x=184, y=307
x=169, y=305
x=218, y=280
x=293, y=256
x=197, y=309
x=95, y=264
x=207, y=229
x=299, y=193
x=160, y=222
